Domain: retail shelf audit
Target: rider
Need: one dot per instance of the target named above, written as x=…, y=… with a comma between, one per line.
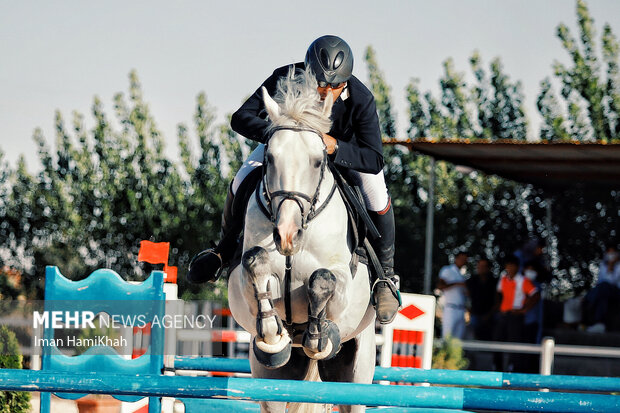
x=354, y=146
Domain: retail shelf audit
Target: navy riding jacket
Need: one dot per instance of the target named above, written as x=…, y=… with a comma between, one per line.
x=355, y=123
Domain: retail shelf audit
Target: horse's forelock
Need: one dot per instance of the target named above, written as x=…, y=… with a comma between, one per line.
x=300, y=102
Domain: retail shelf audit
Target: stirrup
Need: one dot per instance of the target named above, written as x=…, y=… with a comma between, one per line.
x=391, y=285
x=388, y=314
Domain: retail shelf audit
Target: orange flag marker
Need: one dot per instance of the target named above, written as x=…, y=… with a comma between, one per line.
x=154, y=252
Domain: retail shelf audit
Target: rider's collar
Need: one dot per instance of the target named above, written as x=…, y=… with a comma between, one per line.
x=345, y=93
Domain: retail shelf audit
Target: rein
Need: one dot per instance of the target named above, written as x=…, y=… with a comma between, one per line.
x=296, y=196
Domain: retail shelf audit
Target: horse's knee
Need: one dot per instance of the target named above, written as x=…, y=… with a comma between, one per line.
x=321, y=285
x=256, y=260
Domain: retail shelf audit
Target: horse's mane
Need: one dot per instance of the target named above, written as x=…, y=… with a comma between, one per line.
x=300, y=102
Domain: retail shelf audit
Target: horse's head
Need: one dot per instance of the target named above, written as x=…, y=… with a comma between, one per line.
x=295, y=157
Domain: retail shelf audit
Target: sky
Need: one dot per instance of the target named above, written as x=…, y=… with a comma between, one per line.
x=59, y=55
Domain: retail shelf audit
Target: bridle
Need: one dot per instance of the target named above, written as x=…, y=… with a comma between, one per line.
x=296, y=196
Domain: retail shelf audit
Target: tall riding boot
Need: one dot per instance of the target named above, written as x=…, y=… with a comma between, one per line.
x=208, y=264
x=385, y=294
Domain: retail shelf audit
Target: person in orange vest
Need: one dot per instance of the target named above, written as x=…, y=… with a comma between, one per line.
x=516, y=295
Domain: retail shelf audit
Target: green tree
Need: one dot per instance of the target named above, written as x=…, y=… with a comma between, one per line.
x=472, y=212
x=104, y=189
x=590, y=85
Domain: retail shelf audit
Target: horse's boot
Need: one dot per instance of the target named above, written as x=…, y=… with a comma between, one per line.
x=208, y=264
x=385, y=294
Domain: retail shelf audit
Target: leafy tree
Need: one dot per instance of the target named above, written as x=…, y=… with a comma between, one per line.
x=472, y=212
x=587, y=110
x=590, y=86
x=107, y=188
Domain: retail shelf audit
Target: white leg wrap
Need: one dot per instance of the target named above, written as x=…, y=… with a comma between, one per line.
x=276, y=347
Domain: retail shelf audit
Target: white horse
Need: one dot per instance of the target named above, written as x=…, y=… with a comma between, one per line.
x=310, y=318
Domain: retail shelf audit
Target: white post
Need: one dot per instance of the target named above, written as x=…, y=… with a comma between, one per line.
x=430, y=217
x=546, y=356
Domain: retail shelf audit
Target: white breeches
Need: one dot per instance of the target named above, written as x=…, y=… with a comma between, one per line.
x=453, y=322
x=373, y=187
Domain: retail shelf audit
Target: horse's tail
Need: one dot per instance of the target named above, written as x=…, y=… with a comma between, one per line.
x=311, y=375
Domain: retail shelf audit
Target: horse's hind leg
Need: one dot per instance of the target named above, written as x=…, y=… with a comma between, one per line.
x=355, y=363
x=272, y=344
x=321, y=339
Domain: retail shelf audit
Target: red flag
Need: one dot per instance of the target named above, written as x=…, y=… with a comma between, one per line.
x=171, y=274
x=154, y=252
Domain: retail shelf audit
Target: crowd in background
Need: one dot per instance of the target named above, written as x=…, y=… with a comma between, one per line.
x=508, y=306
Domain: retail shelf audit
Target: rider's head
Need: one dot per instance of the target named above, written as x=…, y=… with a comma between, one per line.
x=331, y=60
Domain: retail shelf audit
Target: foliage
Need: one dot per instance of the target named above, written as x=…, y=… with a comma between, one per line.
x=11, y=358
x=474, y=212
x=589, y=108
x=449, y=355
x=487, y=215
x=107, y=188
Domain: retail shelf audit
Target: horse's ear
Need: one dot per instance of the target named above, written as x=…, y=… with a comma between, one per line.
x=272, y=108
x=327, y=104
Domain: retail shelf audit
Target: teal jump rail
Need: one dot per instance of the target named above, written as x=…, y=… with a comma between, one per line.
x=435, y=376
x=307, y=392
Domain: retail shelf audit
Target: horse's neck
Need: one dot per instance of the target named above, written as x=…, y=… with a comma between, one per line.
x=326, y=187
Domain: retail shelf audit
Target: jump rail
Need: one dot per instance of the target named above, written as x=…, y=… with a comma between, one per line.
x=435, y=376
x=307, y=392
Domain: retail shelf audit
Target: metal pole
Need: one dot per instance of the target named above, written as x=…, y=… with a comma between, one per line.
x=430, y=217
x=546, y=356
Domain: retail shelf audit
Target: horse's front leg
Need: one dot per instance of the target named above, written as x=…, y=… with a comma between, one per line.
x=271, y=344
x=321, y=340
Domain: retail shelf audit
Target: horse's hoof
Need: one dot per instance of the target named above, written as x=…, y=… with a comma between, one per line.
x=329, y=343
x=272, y=356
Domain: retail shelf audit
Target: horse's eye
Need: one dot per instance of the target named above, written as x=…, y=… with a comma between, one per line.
x=269, y=158
x=317, y=163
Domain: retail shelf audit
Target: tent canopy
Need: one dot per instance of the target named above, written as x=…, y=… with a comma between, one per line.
x=547, y=165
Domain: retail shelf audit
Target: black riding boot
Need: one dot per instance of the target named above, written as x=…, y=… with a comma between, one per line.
x=208, y=264
x=385, y=294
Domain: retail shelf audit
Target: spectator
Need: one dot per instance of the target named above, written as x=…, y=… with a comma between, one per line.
x=532, y=252
x=516, y=295
x=481, y=288
x=452, y=284
x=598, y=299
x=572, y=308
x=533, y=318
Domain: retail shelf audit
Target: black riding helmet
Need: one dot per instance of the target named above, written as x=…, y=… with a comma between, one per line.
x=331, y=59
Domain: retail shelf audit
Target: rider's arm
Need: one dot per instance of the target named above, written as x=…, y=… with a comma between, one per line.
x=363, y=151
x=250, y=120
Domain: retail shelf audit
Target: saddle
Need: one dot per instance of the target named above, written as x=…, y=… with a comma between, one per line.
x=360, y=225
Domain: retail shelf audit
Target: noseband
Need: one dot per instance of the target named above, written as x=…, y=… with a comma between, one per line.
x=298, y=197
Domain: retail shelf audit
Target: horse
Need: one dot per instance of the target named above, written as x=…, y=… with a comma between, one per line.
x=309, y=316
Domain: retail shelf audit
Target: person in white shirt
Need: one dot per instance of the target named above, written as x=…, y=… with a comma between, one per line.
x=452, y=284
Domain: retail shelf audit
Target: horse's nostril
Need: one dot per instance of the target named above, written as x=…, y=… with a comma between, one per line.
x=300, y=232
x=276, y=236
